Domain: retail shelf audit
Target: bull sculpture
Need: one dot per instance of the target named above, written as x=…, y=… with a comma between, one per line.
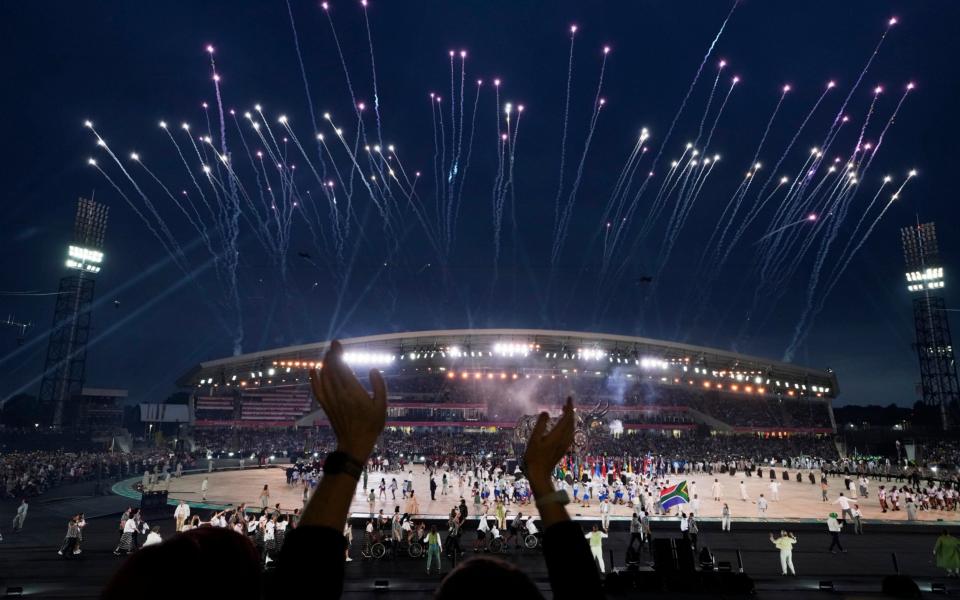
x=589, y=425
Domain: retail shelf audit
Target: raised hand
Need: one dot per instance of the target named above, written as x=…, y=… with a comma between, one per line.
x=544, y=449
x=357, y=418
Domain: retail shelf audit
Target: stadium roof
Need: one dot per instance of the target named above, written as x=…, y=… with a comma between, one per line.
x=538, y=347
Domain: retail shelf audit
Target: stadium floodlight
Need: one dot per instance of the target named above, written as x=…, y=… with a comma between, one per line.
x=653, y=363
x=84, y=259
x=591, y=353
x=511, y=349
x=361, y=358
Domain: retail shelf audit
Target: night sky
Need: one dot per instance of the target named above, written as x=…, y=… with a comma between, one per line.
x=125, y=66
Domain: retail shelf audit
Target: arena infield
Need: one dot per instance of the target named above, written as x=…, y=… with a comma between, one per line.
x=799, y=502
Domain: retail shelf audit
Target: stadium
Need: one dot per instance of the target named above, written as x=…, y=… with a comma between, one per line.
x=486, y=379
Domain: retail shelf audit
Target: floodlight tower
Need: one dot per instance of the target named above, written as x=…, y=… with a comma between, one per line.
x=64, y=370
x=938, y=369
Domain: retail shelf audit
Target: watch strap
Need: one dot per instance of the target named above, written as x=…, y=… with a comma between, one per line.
x=557, y=497
x=341, y=462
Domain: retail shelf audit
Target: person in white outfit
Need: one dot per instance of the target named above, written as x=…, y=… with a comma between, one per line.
x=785, y=544
x=203, y=489
x=844, y=503
x=181, y=514
x=762, y=507
x=153, y=537
x=717, y=490
x=775, y=491
x=744, y=496
x=725, y=518
x=605, y=514
x=596, y=538
x=21, y=517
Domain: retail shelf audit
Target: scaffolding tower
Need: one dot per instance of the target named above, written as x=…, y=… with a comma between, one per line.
x=65, y=367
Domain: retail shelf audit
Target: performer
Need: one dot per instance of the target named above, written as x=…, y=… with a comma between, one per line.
x=857, y=522
x=605, y=515
x=636, y=532
x=725, y=518
x=347, y=539
x=265, y=497
x=153, y=537
x=596, y=538
x=69, y=545
x=413, y=506
x=81, y=523
x=743, y=492
x=203, y=489
x=126, y=537
x=844, y=503
x=181, y=514
x=785, y=544
x=947, y=552
x=834, y=527
x=433, y=548
x=775, y=491
x=482, y=529
x=717, y=490
x=21, y=517
x=762, y=507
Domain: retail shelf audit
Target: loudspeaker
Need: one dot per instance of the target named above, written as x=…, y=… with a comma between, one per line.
x=900, y=586
x=738, y=584
x=685, y=559
x=643, y=580
x=153, y=505
x=664, y=559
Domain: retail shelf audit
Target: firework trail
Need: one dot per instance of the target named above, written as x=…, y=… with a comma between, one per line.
x=174, y=255
x=195, y=220
x=373, y=71
x=343, y=62
x=706, y=110
x=719, y=256
x=733, y=82
x=164, y=229
x=816, y=303
x=838, y=119
x=656, y=160
x=693, y=83
x=466, y=164
x=807, y=219
x=793, y=140
x=563, y=136
x=893, y=116
x=567, y=212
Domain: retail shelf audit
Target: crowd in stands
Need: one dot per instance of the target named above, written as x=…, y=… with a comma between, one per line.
x=439, y=445
x=28, y=474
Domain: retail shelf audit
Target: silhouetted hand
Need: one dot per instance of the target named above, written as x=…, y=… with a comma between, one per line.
x=357, y=418
x=544, y=449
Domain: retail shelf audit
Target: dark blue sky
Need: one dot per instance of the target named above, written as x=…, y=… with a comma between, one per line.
x=125, y=66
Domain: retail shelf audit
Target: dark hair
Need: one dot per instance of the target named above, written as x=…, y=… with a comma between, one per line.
x=471, y=576
x=221, y=550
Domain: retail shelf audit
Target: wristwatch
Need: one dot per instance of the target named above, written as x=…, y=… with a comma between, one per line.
x=341, y=462
x=559, y=497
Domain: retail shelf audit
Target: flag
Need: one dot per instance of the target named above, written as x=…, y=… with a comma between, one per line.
x=674, y=495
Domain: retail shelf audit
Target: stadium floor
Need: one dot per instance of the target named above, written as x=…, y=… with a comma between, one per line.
x=799, y=502
x=30, y=560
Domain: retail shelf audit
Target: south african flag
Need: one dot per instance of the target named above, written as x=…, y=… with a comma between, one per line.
x=674, y=495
